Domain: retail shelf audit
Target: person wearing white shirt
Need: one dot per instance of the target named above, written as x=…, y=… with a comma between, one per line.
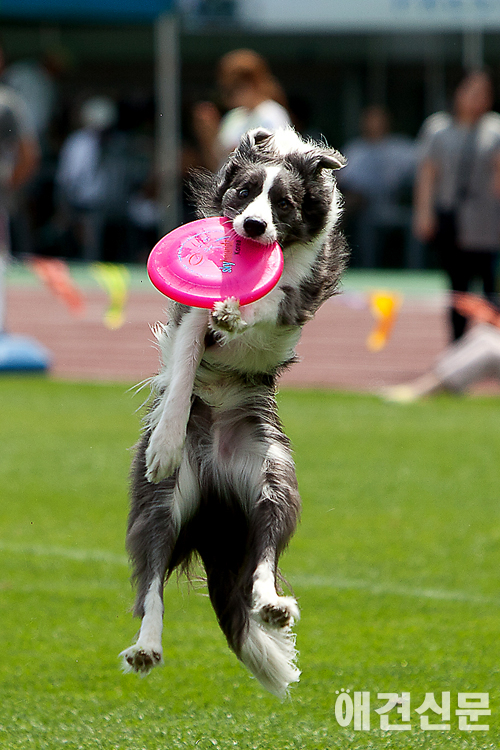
x=254, y=99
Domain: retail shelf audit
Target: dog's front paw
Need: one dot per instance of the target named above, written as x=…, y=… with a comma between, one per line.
x=278, y=614
x=164, y=453
x=226, y=316
x=141, y=659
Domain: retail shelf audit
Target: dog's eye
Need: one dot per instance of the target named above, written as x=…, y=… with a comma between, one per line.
x=284, y=203
x=242, y=193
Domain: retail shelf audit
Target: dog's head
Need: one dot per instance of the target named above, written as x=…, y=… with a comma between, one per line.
x=277, y=187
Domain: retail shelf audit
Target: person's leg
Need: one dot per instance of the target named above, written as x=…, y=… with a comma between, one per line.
x=474, y=357
x=453, y=263
x=486, y=270
x=461, y=275
x=366, y=237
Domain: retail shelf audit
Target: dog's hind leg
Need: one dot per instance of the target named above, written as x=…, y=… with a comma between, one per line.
x=272, y=522
x=155, y=520
x=268, y=649
x=268, y=606
x=147, y=652
x=257, y=621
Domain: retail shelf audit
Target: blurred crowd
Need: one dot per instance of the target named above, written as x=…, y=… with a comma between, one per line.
x=88, y=191
x=89, y=188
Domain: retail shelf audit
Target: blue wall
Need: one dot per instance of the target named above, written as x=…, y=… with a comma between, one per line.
x=85, y=10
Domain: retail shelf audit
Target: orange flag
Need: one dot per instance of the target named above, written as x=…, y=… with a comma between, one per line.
x=55, y=274
x=384, y=307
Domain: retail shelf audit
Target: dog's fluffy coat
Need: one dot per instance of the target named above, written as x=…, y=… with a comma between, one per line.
x=213, y=474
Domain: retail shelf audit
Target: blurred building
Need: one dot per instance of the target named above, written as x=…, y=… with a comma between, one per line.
x=332, y=58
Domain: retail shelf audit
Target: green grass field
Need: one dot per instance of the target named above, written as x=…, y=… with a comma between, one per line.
x=396, y=565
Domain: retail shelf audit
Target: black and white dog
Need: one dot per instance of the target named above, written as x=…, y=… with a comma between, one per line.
x=213, y=474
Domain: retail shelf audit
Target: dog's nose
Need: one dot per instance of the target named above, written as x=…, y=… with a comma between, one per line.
x=254, y=227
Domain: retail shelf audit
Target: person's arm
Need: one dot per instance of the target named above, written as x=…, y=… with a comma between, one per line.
x=476, y=308
x=26, y=163
x=206, y=122
x=424, y=215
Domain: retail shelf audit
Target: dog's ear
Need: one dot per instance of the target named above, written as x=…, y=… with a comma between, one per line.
x=310, y=163
x=260, y=136
x=257, y=138
x=331, y=159
x=224, y=176
x=200, y=190
x=206, y=189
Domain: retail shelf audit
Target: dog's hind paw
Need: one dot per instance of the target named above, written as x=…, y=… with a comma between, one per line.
x=279, y=614
x=140, y=659
x=226, y=316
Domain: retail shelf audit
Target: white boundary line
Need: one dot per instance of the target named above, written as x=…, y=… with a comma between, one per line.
x=79, y=555
x=299, y=581
x=392, y=589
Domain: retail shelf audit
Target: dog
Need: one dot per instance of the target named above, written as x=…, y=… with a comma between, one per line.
x=213, y=475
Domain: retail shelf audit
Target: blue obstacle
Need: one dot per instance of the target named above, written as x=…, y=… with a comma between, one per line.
x=22, y=354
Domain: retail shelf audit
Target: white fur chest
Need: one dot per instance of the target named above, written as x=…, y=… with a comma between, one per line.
x=262, y=347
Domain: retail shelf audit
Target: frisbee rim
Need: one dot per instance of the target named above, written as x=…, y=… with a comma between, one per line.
x=173, y=285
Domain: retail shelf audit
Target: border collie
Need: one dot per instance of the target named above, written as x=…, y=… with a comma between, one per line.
x=213, y=474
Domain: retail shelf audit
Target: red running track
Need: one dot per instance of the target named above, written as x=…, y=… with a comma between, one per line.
x=332, y=350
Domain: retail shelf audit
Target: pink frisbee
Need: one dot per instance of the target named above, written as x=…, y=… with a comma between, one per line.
x=205, y=261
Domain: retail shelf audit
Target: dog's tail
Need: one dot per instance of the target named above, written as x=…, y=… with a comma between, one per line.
x=268, y=652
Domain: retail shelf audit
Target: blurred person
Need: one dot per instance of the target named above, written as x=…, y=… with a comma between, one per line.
x=253, y=98
x=466, y=361
x=144, y=213
x=380, y=166
x=302, y=116
x=457, y=190
x=19, y=159
x=19, y=148
x=36, y=82
x=199, y=125
x=93, y=177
